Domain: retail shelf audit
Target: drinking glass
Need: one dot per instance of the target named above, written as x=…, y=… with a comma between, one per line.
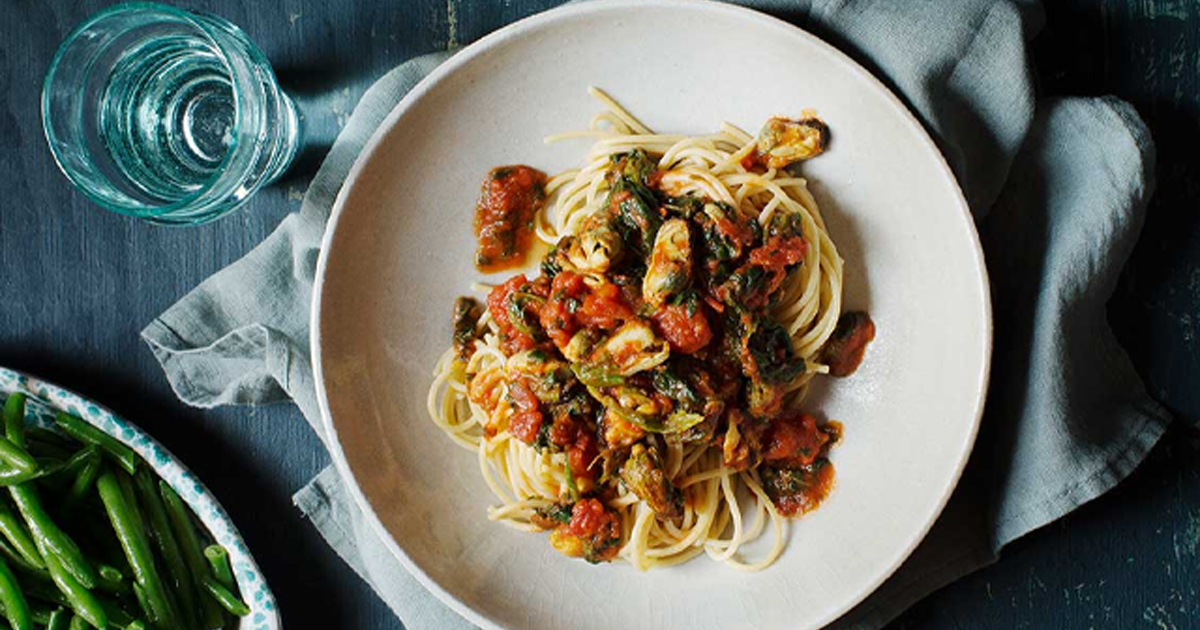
x=169, y=116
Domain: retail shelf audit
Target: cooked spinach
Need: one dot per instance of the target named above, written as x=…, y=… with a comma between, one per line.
x=771, y=348
x=667, y=383
x=522, y=318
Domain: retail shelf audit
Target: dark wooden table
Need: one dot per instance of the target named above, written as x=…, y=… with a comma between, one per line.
x=77, y=284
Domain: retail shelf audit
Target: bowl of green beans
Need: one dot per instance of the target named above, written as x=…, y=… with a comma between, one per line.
x=101, y=527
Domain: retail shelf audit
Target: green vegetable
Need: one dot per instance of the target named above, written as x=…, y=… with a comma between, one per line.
x=597, y=374
x=189, y=545
x=159, y=526
x=16, y=609
x=77, y=596
x=785, y=223
x=155, y=558
x=14, y=531
x=81, y=458
x=111, y=580
x=640, y=420
x=14, y=419
x=550, y=265
x=50, y=539
x=218, y=560
x=224, y=596
x=560, y=512
x=572, y=489
x=46, y=436
x=89, y=434
x=15, y=559
x=680, y=421
x=17, y=457
x=43, y=450
x=85, y=479
x=668, y=384
x=519, y=316
x=116, y=615
x=45, y=591
x=45, y=468
x=771, y=348
x=137, y=549
x=637, y=221
x=59, y=620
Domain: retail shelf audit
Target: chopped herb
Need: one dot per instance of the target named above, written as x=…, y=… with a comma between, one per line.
x=550, y=266
x=542, y=443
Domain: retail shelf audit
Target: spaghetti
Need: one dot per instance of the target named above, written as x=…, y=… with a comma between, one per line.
x=640, y=398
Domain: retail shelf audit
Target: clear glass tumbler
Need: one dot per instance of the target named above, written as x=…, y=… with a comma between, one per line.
x=166, y=115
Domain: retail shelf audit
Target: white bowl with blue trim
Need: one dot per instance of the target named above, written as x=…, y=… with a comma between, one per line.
x=45, y=398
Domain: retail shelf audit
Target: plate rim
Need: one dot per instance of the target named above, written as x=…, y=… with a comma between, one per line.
x=461, y=58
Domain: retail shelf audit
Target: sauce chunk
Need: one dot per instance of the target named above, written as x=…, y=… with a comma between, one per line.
x=508, y=202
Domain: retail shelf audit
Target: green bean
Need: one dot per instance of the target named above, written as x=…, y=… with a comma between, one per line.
x=78, y=597
x=14, y=419
x=224, y=596
x=16, y=609
x=15, y=559
x=110, y=579
x=136, y=625
x=89, y=434
x=45, y=467
x=218, y=560
x=84, y=480
x=81, y=458
x=116, y=614
x=78, y=623
x=17, y=457
x=13, y=530
x=143, y=601
x=59, y=620
x=189, y=545
x=49, y=538
x=40, y=615
x=125, y=483
x=41, y=449
x=165, y=542
x=137, y=549
x=48, y=436
x=46, y=592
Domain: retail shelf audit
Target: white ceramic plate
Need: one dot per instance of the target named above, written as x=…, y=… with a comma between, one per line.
x=399, y=250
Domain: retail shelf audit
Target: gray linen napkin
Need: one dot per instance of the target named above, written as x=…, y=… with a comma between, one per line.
x=1059, y=188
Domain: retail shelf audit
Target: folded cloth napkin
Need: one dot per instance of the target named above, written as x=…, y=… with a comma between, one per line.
x=1058, y=187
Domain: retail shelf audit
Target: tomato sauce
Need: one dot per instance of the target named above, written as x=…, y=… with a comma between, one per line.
x=794, y=441
x=814, y=485
x=844, y=350
x=685, y=333
x=526, y=419
x=508, y=202
x=499, y=302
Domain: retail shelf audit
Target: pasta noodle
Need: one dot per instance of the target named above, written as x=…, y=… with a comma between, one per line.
x=724, y=509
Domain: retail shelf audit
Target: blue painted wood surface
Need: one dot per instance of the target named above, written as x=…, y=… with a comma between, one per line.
x=77, y=284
